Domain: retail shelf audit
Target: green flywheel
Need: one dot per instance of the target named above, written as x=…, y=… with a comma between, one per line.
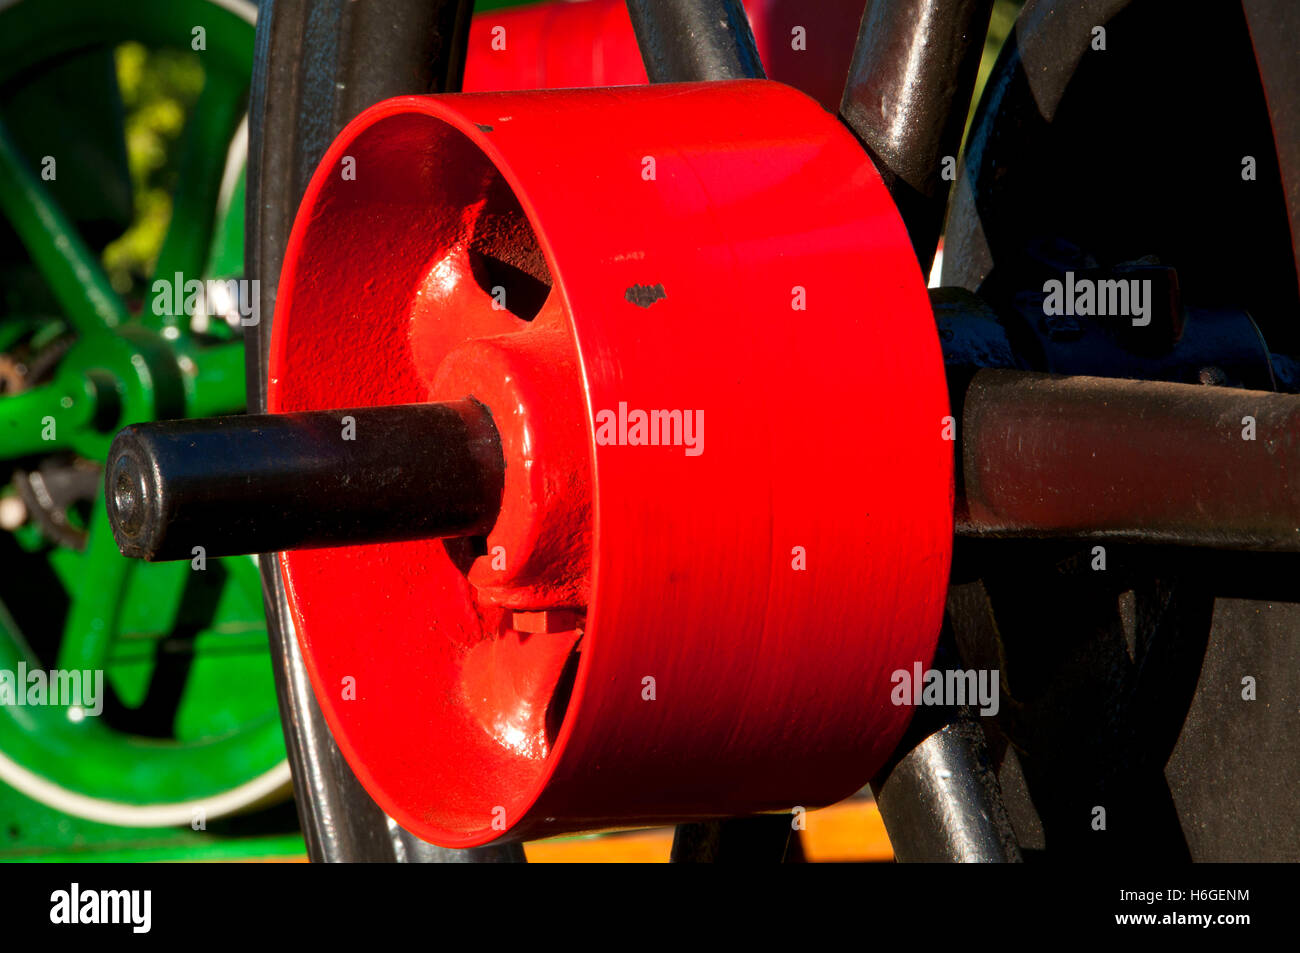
x=184, y=725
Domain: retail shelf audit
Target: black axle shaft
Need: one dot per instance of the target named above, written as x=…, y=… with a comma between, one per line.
x=1037, y=456
x=269, y=482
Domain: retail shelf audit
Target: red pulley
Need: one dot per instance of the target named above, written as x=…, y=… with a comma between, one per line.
x=697, y=322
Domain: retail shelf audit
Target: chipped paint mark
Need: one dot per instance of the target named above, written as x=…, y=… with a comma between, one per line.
x=645, y=295
x=483, y=127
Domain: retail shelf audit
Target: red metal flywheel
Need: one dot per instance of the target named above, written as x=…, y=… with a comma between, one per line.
x=697, y=625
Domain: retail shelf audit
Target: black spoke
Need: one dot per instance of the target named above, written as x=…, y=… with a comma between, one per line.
x=684, y=41
x=908, y=90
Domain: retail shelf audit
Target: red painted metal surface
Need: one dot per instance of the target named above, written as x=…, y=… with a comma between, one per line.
x=590, y=43
x=507, y=692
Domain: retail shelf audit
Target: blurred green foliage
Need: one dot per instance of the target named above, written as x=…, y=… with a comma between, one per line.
x=158, y=89
x=1001, y=23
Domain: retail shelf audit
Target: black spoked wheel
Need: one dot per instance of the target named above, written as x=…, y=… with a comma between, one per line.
x=1125, y=686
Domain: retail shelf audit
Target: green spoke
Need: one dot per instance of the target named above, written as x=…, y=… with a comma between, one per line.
x=202, y=169
x=70, y=268
x=92, y=623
